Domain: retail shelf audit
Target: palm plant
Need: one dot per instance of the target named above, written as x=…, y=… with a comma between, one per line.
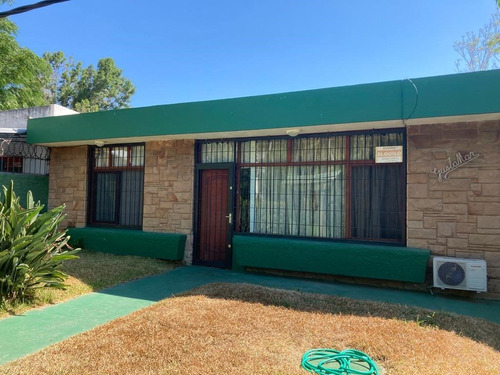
x=32, y=248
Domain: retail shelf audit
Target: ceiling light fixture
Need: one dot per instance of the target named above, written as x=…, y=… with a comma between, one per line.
x=293, y=132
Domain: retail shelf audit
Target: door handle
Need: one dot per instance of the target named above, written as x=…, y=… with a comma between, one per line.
x=229, y=218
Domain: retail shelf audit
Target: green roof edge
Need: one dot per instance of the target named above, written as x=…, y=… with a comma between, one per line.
x=439, y=96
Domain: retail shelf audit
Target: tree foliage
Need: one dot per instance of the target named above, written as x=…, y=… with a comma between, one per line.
x=479, y=51
x=27, y=80
x=495, y=41
x=87, y=89
x=23, y=74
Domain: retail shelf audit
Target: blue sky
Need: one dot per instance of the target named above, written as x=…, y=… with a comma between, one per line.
x=189, y=50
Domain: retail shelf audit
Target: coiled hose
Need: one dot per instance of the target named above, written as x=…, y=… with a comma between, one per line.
x=333, y=362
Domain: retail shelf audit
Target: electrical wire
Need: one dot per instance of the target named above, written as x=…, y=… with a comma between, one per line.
x=333, y=362
x=26, y=8
x=402, y=101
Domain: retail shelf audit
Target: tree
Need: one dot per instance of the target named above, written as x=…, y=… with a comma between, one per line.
x=495, y=41
x=26, y=80
x=479, y=52
x=23, y=74
x=59, y=65
x=87, y=89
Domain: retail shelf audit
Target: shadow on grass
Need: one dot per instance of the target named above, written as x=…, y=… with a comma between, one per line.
x=104, y=270
x=92, y=271
x=282, y=291
x=476, y=329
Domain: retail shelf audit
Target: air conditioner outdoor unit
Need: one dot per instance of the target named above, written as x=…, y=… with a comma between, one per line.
x=458, y=273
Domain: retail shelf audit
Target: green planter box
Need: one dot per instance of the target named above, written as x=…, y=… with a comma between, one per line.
x=168, y=246
x=357, y=260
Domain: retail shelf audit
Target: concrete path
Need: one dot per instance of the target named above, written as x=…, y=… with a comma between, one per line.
x=36, y=329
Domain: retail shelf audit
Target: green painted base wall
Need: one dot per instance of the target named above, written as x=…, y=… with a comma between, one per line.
x=357, y=260
x=39, y=186
x=168, y=246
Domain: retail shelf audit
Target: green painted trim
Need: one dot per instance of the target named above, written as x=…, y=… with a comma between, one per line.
x=331, y=258
x=37, y=184
x=168, y=246
x=451, y=95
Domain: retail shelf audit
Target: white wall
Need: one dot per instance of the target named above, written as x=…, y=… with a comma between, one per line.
x=18, y=118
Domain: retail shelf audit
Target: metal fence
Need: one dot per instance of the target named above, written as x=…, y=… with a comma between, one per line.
x=16, y=156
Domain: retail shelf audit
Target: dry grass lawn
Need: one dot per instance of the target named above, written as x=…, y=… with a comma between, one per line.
x=92, y=271
x=242, y=329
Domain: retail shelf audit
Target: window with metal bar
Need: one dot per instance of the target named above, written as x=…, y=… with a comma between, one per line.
x=324, y=186
x=116, y=185
x=12, y=164
x=16, y=156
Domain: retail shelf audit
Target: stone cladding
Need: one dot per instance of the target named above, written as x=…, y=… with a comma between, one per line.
x=68, y=183
x=168, y=189
x=458, y=216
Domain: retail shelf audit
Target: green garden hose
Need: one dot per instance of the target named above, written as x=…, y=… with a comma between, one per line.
x=333, y=362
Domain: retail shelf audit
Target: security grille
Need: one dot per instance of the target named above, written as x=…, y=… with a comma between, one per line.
x=325, y=186
x=116, y=185
x=16, y=156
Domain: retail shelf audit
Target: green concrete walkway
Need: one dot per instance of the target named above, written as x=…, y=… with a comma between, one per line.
x=28, y=333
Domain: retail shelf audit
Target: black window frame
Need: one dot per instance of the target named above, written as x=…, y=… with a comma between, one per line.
x=117, y=171
x=349, y=163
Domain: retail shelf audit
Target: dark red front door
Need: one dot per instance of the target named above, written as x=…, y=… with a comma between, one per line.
x=214, y=216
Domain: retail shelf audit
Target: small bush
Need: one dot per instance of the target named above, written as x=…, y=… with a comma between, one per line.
x=32, y=248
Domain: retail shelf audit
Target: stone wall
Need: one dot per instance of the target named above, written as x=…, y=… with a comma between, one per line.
x=460, y=215
x=68, y=183
x=168, y=189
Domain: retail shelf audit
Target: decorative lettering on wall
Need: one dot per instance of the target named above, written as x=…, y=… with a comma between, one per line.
x=457, y=163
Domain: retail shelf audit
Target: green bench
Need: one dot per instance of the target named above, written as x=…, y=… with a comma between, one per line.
x=168, y=246
x=331, y=258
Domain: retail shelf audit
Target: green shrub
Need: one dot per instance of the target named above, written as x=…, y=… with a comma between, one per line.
x=32, y=248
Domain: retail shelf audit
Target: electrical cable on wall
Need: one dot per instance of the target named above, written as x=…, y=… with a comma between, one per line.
x=403, y=102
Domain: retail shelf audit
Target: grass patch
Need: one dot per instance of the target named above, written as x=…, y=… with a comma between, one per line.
x=243, y=329
x=91, y=272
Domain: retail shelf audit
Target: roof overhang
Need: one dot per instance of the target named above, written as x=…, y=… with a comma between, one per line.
x=289, y=131
x=444, y=99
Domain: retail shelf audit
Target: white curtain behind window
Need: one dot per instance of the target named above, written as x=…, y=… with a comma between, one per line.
x=298, y=201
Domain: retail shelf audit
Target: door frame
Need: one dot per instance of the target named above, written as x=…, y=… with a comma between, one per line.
x=230, y=167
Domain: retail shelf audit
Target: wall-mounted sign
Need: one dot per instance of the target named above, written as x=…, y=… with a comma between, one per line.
x=457, y=163
x=389, y=154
